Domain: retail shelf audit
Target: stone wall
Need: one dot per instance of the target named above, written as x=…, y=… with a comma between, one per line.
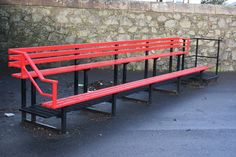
x=32, y=23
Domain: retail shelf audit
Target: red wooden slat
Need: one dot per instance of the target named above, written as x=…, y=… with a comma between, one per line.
x=44, y=54
x=100, y=49
x=96, y=49
x=73, y=57
x=14, y=64
x=63, y=102
x=72, y=46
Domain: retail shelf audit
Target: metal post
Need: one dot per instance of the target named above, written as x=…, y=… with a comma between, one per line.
x=183, y=60
x=124, y=79
x=178, y=79
x=33, y=101
x=115, y=79
x=171, y=59
x=113, y=110
x=146, y=64
x=76, y=80
x=63, y=120
x=217, y=57
x=23, y=99
x=196, y=53
x=76, y=77
x=178, y=63
x=115, y=75
x=183, y=56
x=154, y=72
x=86, y=80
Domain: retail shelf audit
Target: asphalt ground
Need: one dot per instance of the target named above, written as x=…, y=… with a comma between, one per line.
x=199, y=122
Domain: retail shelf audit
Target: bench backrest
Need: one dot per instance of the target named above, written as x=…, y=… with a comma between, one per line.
x=50, y=54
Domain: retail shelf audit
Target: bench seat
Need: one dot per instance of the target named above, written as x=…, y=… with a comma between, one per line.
x=59, y=70
x=63, y=102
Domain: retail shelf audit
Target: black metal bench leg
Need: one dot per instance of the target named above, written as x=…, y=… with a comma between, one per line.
x=76, y=78
x=63, y=120
x=171, y=59
x=217, y=57
x=178, y=79
x=170, y=63
x=76, y=81
x=146, y=65
x=33, y=101
x=113, y=111
x=115, y=75
x=183, y=61
x=124, y=78
x=85, y=80
x=183, y=56
x=23, y=99
x=154, y=72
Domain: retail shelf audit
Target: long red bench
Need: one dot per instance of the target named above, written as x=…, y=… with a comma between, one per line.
x=116, y=53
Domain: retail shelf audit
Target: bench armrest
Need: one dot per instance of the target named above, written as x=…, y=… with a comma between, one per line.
x=24, y=72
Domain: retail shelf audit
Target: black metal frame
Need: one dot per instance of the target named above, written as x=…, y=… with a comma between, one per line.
x=35, y=110
x=216, y=57
x=23, y=99
x=202, y=78
x=33, y=101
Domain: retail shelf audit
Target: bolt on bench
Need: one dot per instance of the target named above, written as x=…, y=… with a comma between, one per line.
x=142, y=50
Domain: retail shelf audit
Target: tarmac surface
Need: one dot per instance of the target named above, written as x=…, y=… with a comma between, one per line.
x=200, y=122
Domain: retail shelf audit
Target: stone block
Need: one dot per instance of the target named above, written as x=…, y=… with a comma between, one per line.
x=170, y=24
x=185, y=23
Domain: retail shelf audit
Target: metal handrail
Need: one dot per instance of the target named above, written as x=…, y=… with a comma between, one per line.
x=24, y=71
x=213, y=39
x=218, y=40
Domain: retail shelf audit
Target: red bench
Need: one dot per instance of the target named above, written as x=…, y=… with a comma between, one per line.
x=33, y=57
